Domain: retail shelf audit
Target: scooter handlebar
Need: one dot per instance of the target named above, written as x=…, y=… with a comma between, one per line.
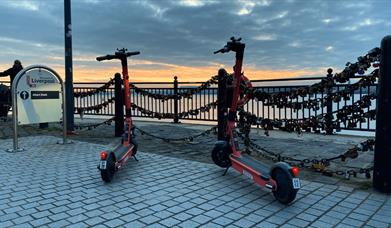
x=118, y=55
x=106, y=57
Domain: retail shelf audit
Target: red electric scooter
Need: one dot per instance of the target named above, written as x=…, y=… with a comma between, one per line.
x=281, y=178
x=111, y=161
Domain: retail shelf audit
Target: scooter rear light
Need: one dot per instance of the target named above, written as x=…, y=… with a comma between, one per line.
x=103, y=155
x=295, y=171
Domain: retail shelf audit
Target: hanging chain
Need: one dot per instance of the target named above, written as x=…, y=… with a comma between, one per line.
x=95, y=91
x=186, y=94
x=182, y=139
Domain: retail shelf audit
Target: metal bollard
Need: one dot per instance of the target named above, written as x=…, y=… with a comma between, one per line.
x=382, y=158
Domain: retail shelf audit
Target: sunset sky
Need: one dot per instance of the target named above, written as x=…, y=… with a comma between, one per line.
x=177, y=37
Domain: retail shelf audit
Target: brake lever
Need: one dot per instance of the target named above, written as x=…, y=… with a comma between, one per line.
x=218, y=51
x=223, y=50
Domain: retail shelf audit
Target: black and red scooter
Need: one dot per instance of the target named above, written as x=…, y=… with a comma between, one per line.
x=111, y=161
x=281, y=178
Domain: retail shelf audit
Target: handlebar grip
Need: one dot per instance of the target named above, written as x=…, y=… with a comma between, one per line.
x=132, y=53
x=106, y=57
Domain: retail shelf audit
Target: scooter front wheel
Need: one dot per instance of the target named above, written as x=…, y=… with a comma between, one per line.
x=285, y=193
x=220, y=155
x=108, y=173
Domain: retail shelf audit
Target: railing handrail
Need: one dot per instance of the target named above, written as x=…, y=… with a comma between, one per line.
x=179, y=82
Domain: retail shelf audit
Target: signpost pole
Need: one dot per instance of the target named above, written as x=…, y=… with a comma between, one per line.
x=64, y=115
x=14, y=115
x=68, y=66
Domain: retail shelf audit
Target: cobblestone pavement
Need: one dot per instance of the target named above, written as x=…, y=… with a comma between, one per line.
x=288, y=144
x=52, y=185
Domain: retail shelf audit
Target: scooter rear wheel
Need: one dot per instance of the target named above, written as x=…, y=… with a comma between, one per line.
x=285, y=192
x=108, y=173
x=220, y=155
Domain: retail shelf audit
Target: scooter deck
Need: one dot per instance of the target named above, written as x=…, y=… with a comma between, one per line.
x=254, y=164
x=121, y=150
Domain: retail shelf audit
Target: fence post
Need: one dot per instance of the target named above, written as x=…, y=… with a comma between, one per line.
x=329, y=105
x=382, y=158
x=221, y=104
x=119, y=105
x=176, y=116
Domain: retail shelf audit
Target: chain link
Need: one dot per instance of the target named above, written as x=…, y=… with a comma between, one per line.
x=182, y=139
x=187, y=94
x=93, y=126
x=95, y=91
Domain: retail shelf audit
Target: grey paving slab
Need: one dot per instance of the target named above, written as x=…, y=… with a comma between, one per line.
x=58, y=185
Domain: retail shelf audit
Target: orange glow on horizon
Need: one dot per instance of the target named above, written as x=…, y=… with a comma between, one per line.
x=184, y=73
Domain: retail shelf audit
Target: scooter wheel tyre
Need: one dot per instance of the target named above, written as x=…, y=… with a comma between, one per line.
x=285, y=192
x=108, y=173
x=220, y=156
x=134, y=142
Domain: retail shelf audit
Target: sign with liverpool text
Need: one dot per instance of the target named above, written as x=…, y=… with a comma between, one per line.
x=38, y=97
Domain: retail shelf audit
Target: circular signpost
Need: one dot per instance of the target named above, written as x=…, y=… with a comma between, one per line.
x=37, y=97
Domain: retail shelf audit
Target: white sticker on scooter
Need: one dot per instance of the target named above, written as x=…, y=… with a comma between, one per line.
x=102, y=165
x=247, y=174
x=296, y=183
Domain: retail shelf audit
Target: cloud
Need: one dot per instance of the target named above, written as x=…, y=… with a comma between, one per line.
x=24, y=5
x=265, y=37
x=329, y=48
x=195, y=3
x=181, y=35
x=247, y=6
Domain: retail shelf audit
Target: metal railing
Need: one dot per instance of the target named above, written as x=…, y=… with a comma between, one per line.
x=209, y=95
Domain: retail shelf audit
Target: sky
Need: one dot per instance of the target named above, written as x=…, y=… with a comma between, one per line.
x=284, y=38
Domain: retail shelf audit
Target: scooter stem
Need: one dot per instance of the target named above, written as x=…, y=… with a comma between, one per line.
x=235, y=95
x=125, y=74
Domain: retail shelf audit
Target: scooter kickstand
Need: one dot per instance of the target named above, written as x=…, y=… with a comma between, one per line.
x=135, y=158
x=226, y=170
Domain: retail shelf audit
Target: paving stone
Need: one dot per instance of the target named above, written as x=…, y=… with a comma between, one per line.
x=298, y=222
x=114, y=223
x=93, y=221
x=222, y=221
x=170, y=222
x=94, y=213
x=266, y=225
x=6, y=224
x=77, y=225
x=194, y=211
x=307, y=217
x=130, y=217
x=353, y=222
x=359, y=217
x=9, y=216
x=277, y=220
x=40, y=222
x=377, y=224
x=77, y=218
x=59, y=223
x=188, y=223
x=149, y=219
x=201, y=219
x=163, y=214
x=244, y=223
x=329, y=220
